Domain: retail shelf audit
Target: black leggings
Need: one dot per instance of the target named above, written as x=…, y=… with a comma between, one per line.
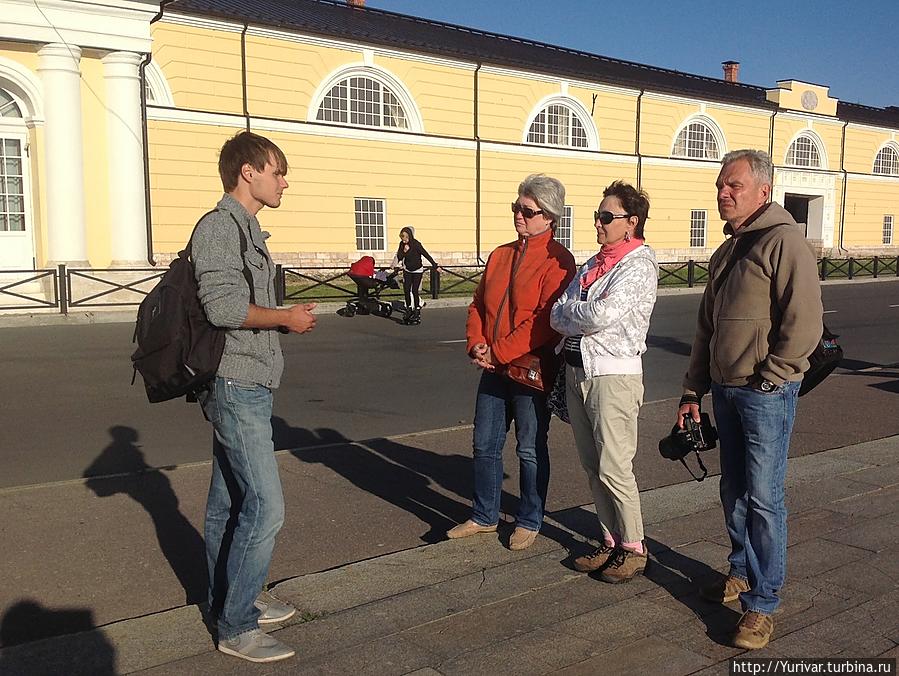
x=411, y=287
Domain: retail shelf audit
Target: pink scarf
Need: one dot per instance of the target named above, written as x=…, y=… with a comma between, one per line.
x=606, y=259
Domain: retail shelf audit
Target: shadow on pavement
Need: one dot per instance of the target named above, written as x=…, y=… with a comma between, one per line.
x=682, y=576
x=672, y=345
x=179, y=541
x=28, y=621
x=404, y=476
x=395, y=473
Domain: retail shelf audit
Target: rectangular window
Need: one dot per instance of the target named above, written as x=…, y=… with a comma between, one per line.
x=698, y=224
x=888, y=229
x=370, y=231
x=12, y=187
x=563, y=229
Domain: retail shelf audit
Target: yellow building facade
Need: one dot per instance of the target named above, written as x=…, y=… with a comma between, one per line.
x=386, y=122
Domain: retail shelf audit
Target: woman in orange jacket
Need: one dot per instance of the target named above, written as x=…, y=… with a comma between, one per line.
x=507, y=319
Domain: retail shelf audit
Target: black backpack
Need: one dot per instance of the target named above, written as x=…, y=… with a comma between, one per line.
x=178, y=349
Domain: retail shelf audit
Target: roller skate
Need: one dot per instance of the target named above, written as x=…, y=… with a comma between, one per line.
x=411, y=316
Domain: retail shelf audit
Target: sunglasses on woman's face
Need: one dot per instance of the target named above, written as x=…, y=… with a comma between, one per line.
x=606, y=217
x=527, y=212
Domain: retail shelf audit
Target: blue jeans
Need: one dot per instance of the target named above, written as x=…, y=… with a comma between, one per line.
x=754, y=429
x=245, y=507
x=499, y=401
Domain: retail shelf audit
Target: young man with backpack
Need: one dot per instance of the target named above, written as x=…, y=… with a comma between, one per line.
x=759, y=320
x=245, y=506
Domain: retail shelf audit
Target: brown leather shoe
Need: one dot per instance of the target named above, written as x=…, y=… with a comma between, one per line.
x=724, y=589
x=623, y=565
x=594, y=560
x=463, y=530
x=522, y=538
x=753, y=631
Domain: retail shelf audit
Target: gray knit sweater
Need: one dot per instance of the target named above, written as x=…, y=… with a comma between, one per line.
x=249, y=357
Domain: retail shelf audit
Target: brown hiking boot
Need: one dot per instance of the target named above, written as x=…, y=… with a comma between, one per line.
x=724, y=589
x=753, y=631
x=594, y=560
x=623, y=565
x=463, y=530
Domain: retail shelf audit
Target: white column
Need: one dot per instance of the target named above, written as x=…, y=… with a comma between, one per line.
x=63, y=156
x=127, y=196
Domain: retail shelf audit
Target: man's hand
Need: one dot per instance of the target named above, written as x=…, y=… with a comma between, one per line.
x=299, y=318
x=689, y=406
x=481, y=356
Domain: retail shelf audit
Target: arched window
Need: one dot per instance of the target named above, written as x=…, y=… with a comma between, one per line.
x=804, y=152
x=364, y=100
x=887, y=161
x=557, y=124
x=8, y=106
x=12, y=177
x=697, y=140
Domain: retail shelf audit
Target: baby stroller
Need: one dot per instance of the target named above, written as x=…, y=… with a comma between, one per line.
x=369, y=286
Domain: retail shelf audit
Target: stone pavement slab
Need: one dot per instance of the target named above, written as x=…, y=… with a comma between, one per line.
x=471, y=606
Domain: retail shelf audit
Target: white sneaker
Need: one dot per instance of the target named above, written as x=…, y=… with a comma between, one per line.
x=256, y=646
x=272, y=610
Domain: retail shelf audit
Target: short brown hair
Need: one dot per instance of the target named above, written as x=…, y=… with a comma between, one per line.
x=635, y=203
x=247, y=148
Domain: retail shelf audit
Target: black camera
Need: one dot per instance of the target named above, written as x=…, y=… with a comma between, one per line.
x=693, y=438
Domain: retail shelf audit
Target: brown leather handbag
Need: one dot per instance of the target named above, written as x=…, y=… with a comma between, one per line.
x=537, y=369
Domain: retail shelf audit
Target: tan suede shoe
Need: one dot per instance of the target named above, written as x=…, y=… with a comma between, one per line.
x=522, y=538
x=594, y=560
x=623, y=566
x=724, y=590
x=464, y=530
x=754, y=630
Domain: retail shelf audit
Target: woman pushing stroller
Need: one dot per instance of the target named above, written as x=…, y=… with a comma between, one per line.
x=408, y=257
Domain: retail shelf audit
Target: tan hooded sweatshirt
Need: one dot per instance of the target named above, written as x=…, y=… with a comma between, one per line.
x=766, y=319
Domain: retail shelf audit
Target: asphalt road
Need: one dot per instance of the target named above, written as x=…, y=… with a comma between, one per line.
x=67, y=394
x=115, y=547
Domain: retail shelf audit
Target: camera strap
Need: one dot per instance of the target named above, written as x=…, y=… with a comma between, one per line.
x=705, y=472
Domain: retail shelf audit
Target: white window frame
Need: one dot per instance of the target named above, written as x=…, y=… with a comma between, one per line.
x=363, y=238
x=894, y=169
x=564, y=231
x=699, y=228
x=815, y=140
x=576, y=110
x=384, y=79
x=711, y=127
x=157, y=86
x=888, y=229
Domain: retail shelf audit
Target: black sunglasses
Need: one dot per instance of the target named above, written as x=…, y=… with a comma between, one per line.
x=527, y=212
x=606, y=217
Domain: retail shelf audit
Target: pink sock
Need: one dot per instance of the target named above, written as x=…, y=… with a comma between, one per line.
x=633, y=546
x=612, y=539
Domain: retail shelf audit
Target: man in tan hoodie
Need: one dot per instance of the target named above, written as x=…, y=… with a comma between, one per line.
x=759, y=320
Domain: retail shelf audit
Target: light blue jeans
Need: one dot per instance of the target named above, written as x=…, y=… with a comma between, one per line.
x=245, y=507
x=499, y=401
x=754, y=429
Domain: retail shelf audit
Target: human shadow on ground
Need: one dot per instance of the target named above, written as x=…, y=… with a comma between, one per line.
x=413, y=479
x=679, y=575
x=682, y=576
x=672, y=345
x=368, y=466
x=181, y=543
x=88, y=652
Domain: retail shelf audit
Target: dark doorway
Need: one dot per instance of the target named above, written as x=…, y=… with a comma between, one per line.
x=797, y=205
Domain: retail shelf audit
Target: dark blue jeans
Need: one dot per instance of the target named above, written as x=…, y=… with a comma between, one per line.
x=500, y=401
x=755, y=429
x=245, y=507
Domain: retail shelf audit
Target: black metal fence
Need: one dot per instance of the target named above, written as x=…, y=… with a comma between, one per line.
x=63, y=288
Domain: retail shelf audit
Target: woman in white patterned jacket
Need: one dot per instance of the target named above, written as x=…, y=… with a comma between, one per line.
x=604, y=315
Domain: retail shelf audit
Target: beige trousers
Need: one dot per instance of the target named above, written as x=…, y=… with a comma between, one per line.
x=603, y=412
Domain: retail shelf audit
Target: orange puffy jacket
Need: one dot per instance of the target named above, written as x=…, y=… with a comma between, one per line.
x=511, y=306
